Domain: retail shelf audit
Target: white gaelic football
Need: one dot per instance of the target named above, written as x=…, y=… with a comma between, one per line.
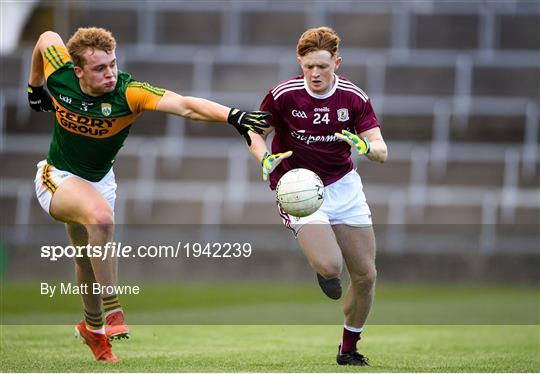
x=300, y=192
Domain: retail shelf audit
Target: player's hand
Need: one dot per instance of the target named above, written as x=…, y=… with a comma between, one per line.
x=360, y=144
x=244, y=122
x=270, y=162
x=39, y=99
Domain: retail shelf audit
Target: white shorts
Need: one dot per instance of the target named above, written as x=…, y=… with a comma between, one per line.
x=49, y=178
x=344, y=203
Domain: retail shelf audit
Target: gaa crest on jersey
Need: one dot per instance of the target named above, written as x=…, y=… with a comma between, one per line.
x=106, y=109
x=343, y=114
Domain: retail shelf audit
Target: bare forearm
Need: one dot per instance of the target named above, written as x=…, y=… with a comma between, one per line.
x=199, y=109
x=258, y=146
x=204, y=110
x=37, y=76
x=377, y=151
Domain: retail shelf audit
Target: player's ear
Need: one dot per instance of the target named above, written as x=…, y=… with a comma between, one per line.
x=78, y=71
x=338, y=62
x=299, y=59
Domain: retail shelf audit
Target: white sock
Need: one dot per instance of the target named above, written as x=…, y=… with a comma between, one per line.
x=97, y=331
x=354, y=329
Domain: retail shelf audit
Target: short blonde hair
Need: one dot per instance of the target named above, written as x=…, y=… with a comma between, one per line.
x=90, y=37
x=319, y=38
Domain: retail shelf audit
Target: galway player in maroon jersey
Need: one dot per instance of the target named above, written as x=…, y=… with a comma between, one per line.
x=317, y=117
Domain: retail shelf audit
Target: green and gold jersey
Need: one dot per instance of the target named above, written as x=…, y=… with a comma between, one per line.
x=89, y=131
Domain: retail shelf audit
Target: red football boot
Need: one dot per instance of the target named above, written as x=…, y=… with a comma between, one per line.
x=115, y=326
x=98, y=343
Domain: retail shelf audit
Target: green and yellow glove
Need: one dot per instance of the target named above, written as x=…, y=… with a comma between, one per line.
x=244, y=122
x=360, y=144
x=269, y=162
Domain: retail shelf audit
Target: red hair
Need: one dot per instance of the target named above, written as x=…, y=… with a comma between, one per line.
x=319, y=38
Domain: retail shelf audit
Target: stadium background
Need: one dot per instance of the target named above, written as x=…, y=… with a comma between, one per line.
x=456, y=85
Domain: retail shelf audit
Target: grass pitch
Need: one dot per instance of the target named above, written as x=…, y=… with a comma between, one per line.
x=280, y=328
x=277, y=349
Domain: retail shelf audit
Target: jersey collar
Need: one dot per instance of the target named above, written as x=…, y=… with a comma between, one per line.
x=326, y=95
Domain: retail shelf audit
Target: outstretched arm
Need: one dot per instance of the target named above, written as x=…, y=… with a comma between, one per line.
x=205, y=110
x=192, y=107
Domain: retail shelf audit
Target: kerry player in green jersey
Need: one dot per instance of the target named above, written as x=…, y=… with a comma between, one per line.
x=95, y=105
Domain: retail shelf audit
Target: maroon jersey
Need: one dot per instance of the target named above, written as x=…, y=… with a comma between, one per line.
x=305, y=123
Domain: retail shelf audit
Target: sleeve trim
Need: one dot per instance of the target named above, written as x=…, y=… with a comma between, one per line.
x=147, y=87
x=53, y=57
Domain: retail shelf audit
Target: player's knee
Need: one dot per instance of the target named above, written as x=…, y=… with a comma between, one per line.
x=100, y=222
x=329, y=270
x=366, y=279
x=101, y=217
